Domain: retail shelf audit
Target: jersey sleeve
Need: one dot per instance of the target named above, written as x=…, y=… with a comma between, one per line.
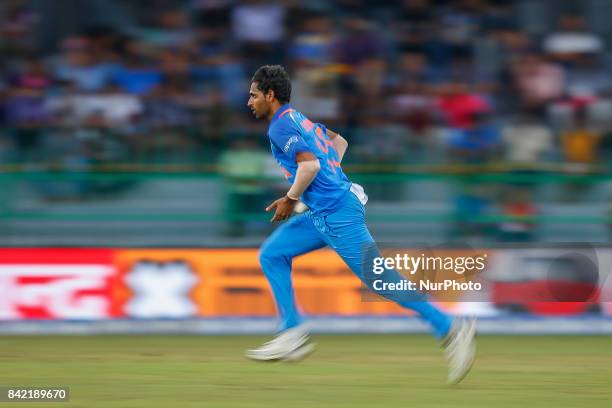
x=287, y=138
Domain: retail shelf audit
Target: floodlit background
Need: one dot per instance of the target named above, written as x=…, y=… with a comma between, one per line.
x=133, y=180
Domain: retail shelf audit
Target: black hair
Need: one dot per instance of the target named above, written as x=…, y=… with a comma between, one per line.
x=275, y=78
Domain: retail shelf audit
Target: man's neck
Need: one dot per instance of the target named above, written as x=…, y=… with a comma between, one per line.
x=275, y=107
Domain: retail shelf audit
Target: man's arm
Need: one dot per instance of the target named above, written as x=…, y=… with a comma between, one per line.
x=308, y=168
x=340, y=143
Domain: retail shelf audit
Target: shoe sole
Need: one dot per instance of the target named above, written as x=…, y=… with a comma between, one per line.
x=465, y=372
x=471, y=329
x=265, y=358
x=300, y=354
x=303, y=342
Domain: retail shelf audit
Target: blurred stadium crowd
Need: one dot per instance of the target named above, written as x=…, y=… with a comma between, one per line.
x=396, y=76
x=406, y=82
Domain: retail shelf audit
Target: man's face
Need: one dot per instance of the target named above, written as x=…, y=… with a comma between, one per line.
x=258, y=102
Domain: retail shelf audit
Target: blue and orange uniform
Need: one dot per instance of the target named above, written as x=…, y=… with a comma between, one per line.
x=336, y=219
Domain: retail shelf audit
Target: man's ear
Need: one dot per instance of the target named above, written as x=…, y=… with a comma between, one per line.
x=270, y=95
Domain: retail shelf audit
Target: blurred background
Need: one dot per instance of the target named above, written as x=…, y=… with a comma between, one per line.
x=123, y=124
x=133, y=179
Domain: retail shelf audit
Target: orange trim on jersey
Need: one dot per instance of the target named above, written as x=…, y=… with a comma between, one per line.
x=332, y=165
x=286, y=173
x=307, y=125
x=322, y=147
x=285, y=111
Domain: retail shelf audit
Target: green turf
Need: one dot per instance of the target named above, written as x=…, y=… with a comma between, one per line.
x=346, y=371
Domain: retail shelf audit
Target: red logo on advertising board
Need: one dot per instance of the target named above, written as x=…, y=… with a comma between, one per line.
x=56, y=284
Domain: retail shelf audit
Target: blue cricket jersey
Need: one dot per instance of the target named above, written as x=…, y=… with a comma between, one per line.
x=290, y=133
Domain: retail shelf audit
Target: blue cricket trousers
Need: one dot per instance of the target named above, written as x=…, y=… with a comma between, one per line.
x=346, y=232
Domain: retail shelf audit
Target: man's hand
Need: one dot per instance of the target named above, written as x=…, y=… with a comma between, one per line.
x=284, y=208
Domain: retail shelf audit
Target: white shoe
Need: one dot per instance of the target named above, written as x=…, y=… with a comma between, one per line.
x=283, y=346
x=460, y=349
x=301, y=353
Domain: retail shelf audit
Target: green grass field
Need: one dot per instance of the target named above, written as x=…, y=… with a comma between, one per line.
x=346, y=371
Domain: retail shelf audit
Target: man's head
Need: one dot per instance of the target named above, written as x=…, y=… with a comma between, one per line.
x=270, y=89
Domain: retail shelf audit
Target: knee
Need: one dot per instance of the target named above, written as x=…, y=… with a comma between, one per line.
x=272, y=265
x=266, y=256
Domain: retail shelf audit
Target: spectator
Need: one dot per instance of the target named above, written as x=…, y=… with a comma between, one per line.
x=573, y=40
x=357, y=44
x=415, y=19
x=170, y=30
x=476, y=144
x=34, y=76
x=18, y=23
x=258, y=26
x=137, y=74
x=313, y=85
x=78, y=65
x=459, y=106
x=410, y=101
x=113, y=107
x=527, y=139
x=217, y=64
x=580, y=143
x=26, y=111
x=588, y=77
x=538, y=82
x=413, y=107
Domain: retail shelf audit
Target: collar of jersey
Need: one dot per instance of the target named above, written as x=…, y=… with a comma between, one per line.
x=280, y=112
